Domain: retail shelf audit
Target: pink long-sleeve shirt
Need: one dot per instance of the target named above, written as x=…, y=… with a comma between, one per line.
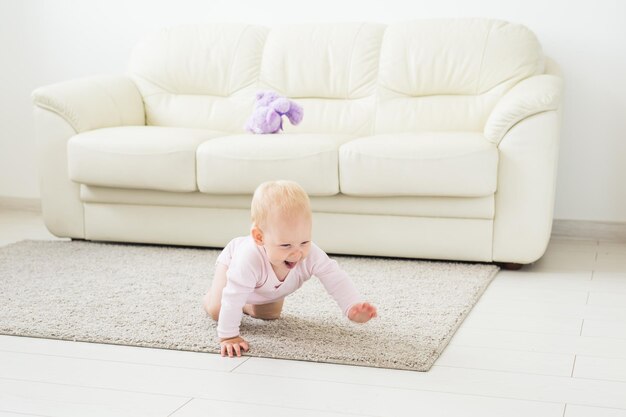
x=251, y=280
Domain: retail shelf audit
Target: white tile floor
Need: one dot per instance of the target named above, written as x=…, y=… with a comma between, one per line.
x=548, y=340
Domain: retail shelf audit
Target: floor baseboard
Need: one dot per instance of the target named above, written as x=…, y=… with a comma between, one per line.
x=584, y=229
x=19, y=203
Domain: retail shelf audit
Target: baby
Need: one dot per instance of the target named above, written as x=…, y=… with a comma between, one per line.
x=254, y=273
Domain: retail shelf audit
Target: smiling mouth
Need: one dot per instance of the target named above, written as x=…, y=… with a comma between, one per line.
x=290, y=265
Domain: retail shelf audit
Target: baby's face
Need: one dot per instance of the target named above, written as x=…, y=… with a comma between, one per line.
x=287, y=240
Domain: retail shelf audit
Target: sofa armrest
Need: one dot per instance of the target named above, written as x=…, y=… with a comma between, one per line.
x=529, y=97
x=93, y=102
x=62, y=110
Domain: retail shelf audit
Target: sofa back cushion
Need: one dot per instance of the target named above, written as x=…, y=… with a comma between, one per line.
x=448, y=74
x=330, y=69
x=201, y=76
x=351, y=78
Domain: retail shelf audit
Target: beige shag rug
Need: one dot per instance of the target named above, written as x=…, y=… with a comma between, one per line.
x=144, y=295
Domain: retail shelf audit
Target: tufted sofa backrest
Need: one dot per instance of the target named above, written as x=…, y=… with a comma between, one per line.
x=331, y=69
x=449, y=74
x=351, y=78
x=201, y=76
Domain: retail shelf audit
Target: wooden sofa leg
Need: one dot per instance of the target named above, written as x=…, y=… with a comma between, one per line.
x=509, y=266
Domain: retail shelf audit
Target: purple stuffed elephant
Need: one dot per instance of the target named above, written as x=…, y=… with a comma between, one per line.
x=269, y=109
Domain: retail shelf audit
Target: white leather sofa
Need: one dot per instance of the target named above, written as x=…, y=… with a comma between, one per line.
x=426, y=139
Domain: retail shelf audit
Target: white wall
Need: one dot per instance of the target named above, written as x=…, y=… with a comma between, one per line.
x=45, y=41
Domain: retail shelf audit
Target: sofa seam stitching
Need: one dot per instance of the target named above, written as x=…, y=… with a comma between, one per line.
x=482, y=60
x=377, y=92
x=332, y=152
x=84, y=149
x=230, y=73
x=414, y=159
x=354, y=40
x=154, y=83
x=110, y=96
x=509, y=126
x=493, y=207
x=74, y=124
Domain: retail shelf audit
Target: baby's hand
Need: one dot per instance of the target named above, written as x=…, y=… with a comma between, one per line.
x=233, y=344
x=362, y=312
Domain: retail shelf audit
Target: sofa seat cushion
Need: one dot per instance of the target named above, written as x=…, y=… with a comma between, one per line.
x=238, y=164
x=143, y=157
x=444, y=164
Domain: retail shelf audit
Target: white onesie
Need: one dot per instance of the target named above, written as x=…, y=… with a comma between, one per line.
x=251, y=280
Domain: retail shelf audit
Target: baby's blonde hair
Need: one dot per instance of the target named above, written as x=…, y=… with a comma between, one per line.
x=284, y=197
